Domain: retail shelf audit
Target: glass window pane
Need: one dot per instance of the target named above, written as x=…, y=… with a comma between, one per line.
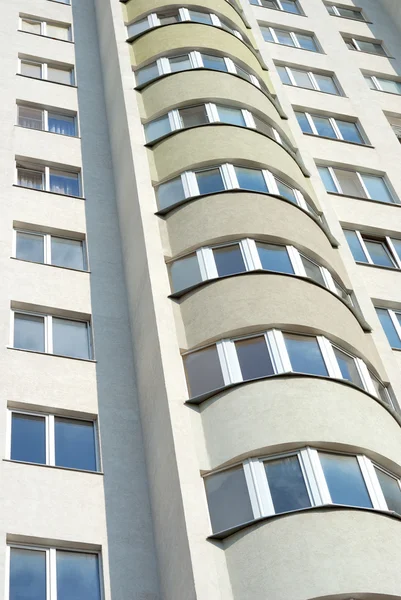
x=31, y=25
x=229, y=260
x=30, y=247
x=251, y=179
x=387, y=85
x=268, y=4
x=254, y=358
x=32, y=118
x=200, y=17
x=217, y=63
x=351, y=14
x=290, y=6
x=344, y=480
x=67, y=253
x=305, y=355
x=75, y=444
x=349, y=182
x=286, y=191
x=157, y=128
x=371, y=47
x=170, y=193
x=284, y=37
x=348, y=367
x=324, y=127
x=397, y=246
x=282, y=71
x=286, y=484
x=274, y=258
x=306, y=42
x=146, y=74
x=31, y=69
x=264, y=127
x=302, y=78
x=29, y=332
x=303, y=122
x=379, y=253
x=28, y=438
x=62, y=124
x=31, y=179
x=168, y=17
x=203, y=371
x=377, y=188
x=391, y=490
x=326, y=84
x=210, y=181
x=313, y=270
x=70, y=338
x=59, y=75
x=349, y=131
x=78, y=576
x=138, y=27
x=180, y=63
x=327, y=179
x=228, y=499
x=60, y=32
x=27, y=574
x=62, y=182
x=233, y=116
x=355, y=246
x=185, y=273
x=267, y=35
x=194, y=115
x=389, y=329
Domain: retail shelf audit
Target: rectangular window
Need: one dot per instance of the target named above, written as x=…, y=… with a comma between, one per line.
x=347, y=12
x=49, y=179
x=305, y=355
x=185, y=273
x=52, y=335
x=47, y=71
x=229, y=260
x=203, y=371
x=330, y=127
x=60, y=31
x=228, y=499
x=254, y=358
x=344, y=479
x=50, y=574
x=274, y=258
x=45, y=120
x=391, y=86
x=297, y=39
x=290, y=6
x=383, y=252
x=51, y=440
x=355, y=183
x=286, y=484
x=49, y=249
x=307, y=79
x=361, y=45
x=64, y=182
x=391, y=323
x=193, y=116
x=391, y=490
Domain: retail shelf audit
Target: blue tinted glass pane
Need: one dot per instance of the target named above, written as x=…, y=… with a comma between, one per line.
x=290, y=6
x=283, y=75
x=233, y=116
x=229, y=260
x=157, y=128
x=285, y=191
x=180, y=63
x=267, y=36
x=349, y=131
x=344, y=480
x=391, y=490
x=30, y=247
x=305, y=355
x=77, y=576
x=254, y=358
x=389, y=328
x=170, y=193
x=203, y=371
x=27, y=574
x=284, y=37
x=377, y=188
x=274, y=258
x=62, y=182
x=75, y=444
x=29, y=332
x=387, y=85
x=185, y=273
x=323, y=127
x=379, y=253
x=28, y=438
x=210, y=181
x=286, y=484
x=228, y=499
x=61, y=124
x=397, y=246
x=355, y=246
x=70, y=338
x=67, y=253
x=217, y=63
x=147, y=74
x=348, y=367
x=327, y=179
x=303, y=122
x=326, y=84
x=251, y=179
x=306, y=42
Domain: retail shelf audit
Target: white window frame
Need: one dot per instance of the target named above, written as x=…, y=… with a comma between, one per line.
x=50, y=435
x=333, y=123
x=45, y=170
x=44, y=70
x=374, y=42
x=359, y=175
x=48, y=332
x=353, y=8
x=47, y=252
x=392, y=314
x=293, y=36
x=376, y=82
x=43, y=26
x=312, y=79
x=280, y=6
x=386, y=241
x=51, y=565
x=45, y=117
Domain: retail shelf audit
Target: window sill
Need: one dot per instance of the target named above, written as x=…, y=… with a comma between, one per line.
x=325, y=137
x=381, y=202
x=69, y=85
x=296, y=47
x=49, y=37
x=48, y=192
x=362, y=264
x=371, y=53
x=34, y=262
x=352, y=19
x=221, y=535
x=197, y=400
x=24, y=462
x=73, y=137
x=286, y=12
x=62, y=3
x=385, y=92
x=88, y=360
x=300, y=87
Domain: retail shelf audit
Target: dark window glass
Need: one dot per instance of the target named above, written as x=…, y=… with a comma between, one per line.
x=355, y=246
x=313, y=270
x=344, y=480
x=194, y=115
x=229, y=260
x=305, y=355
x=75, y=444
x=389, y=328
x=254, y=358
x=228, y=499
x=200, y=17
x=78, y=576
x=28, y=438
x=210, y=181
x=391, y=490
x=27, y=574
x=286, y=484
x=170, y=193
x=185, y=273
x=251, y=179
x=29, y=332
x=30, y=247
x=203, y=371
x=274, y=258
x=348, y=367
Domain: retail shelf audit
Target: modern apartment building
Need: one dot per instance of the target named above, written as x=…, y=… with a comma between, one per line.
x=200, y=310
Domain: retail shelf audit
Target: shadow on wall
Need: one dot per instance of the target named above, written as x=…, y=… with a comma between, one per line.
x=131, y=553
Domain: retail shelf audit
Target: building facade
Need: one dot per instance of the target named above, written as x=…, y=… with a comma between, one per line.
x=201, y=300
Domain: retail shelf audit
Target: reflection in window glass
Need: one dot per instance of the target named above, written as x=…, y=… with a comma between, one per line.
x=303, y=122
x=274, y=258
x=348, y=367
x=75, y=444
x=305, y=355
x=217, y=63
x=251, y=179
x=254, y=358
x=194, y=115
x=326, y=84
x=61, y=124
x=70, y=338
x=30, y=247
x=28, y=438
x=200, y=17
x=377, y=188
x=185, y=273
x=379, y=253
x=67, y=253
x=324, y=127
x=233, y=116
x=170, y=193
x=349, y=131
x=286, y=484
x=391, y=490
x=29, y=332
x=389, y=328
x=228, y=499
x=203, y=371
x=285, y=191
x=344, y=480
x=180, y=63
x=229, y=260
x=307, y=42
x=27, y=574
x=313, y=270
x=78, y=576
x=157, y=128
x=355, y=246
x=210, y=181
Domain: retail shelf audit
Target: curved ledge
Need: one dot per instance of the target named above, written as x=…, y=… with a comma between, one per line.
x=221, y=535
x=364, y=324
